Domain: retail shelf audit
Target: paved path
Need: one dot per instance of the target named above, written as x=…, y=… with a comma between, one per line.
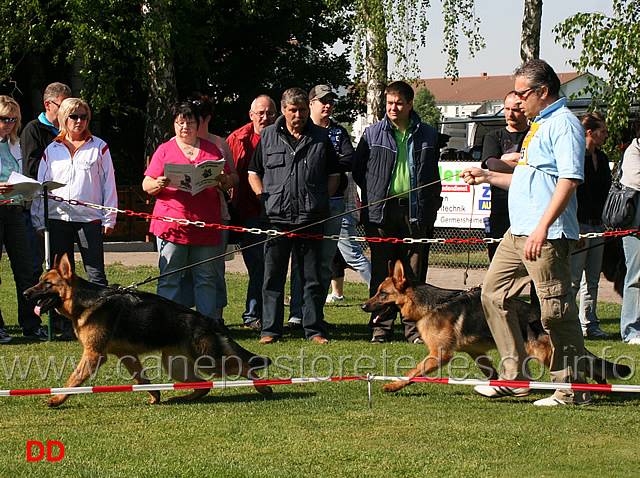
x=440, y=277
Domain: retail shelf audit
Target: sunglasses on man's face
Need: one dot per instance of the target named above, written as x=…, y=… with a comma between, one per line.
x=5, y=119
x=76, y=117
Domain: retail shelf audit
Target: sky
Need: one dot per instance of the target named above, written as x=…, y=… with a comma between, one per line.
x=501, y=27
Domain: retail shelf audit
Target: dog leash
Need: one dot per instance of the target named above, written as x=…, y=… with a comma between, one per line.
x=135, y=285
x=458, y=294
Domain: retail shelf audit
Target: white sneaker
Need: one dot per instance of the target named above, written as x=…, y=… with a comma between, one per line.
x=334, y=298
x=634, y=341
x=553, y=401
x=496, y=392
x=549, y=402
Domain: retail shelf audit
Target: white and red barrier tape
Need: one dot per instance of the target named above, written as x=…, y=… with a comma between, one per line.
x=592, y=387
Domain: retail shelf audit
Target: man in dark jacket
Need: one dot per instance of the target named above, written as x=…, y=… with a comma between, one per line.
x=34, y=139
x=243, y=142
x=294, y=170
x=396, y=156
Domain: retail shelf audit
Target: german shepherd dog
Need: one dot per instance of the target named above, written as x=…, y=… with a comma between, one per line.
x=453, y=321
x=128, y=323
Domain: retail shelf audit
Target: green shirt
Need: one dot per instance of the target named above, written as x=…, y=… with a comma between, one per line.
x=8, y=163
x=400, y=182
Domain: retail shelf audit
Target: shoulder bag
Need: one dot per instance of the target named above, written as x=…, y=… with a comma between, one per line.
x=621, y=204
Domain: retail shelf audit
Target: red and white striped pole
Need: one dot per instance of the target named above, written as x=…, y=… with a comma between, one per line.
x=301, y=380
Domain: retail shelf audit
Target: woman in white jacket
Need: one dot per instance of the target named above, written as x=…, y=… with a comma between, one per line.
x=82, y=162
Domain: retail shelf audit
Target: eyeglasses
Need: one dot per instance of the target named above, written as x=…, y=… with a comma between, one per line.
x=268, y=114
x=76, y=117
x=5, y=119
x=327, y=100
x=185, y=124
x=54, y=103
x=523, y=95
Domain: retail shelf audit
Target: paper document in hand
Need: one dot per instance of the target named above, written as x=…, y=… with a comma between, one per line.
x=26, y=187
x=192, y=178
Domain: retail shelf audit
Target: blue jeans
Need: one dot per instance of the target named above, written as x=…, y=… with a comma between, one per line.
x=13, y=235
x=253, y=258
x=630, y=315
x=276, y=261
x=585, y=276
x=173, y=256
x=186, y=294
x=351, y=250
x=327, y=251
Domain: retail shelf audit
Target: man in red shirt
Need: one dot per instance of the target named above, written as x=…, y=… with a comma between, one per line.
x=243, y=142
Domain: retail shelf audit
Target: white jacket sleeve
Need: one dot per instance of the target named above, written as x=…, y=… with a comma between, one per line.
x=631, y=165
x=109, y=189
x=37, y=206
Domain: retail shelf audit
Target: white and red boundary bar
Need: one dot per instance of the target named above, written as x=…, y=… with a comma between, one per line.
x=170, y=386
x=250, y=383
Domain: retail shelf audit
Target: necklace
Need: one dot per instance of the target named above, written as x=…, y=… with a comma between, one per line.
x=193, y=148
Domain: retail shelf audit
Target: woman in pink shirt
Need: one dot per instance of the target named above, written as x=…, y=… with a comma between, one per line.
x=182, y=244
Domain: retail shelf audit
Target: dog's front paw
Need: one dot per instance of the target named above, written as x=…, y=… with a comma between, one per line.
x=55, y=401
x=155, y=397
x=393, y=387
x=264, y=389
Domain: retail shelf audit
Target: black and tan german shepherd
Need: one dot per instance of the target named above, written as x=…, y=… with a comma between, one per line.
x=109, y=320
x=453, y=321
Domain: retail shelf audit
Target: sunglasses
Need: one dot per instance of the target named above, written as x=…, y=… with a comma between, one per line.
x=76, y=117
x=5, y=119
x=523, y=95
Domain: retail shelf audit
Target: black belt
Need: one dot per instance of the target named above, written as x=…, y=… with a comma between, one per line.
x=402, y=202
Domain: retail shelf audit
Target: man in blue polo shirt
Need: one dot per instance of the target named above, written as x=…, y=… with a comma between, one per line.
x=537, y=247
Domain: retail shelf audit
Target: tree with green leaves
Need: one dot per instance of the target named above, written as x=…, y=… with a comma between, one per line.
x=131, y=60
x=611, y=44
x=398, y=28
x=424, y=103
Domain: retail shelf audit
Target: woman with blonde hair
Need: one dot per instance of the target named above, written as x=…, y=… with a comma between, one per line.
x=82, y=162
x=13, y=228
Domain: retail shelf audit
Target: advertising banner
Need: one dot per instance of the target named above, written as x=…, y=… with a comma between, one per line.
x=460, y=203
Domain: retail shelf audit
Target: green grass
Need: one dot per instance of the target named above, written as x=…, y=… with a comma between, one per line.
x=322, y=429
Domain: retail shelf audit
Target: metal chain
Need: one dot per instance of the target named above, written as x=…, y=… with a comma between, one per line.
x=333, y=237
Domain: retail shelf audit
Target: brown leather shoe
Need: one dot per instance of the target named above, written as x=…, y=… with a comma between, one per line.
x=267, y=340
x=318, y=339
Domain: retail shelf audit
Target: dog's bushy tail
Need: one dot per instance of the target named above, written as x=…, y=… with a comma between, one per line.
x=602, y=370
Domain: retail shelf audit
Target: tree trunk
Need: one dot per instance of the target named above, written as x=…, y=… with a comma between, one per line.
x=376, y=66
x=531, y=21
x=162, y=78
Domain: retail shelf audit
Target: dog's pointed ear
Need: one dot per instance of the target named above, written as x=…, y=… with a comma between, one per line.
x=390, y=264
x=399, y=277
x=64, y=267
